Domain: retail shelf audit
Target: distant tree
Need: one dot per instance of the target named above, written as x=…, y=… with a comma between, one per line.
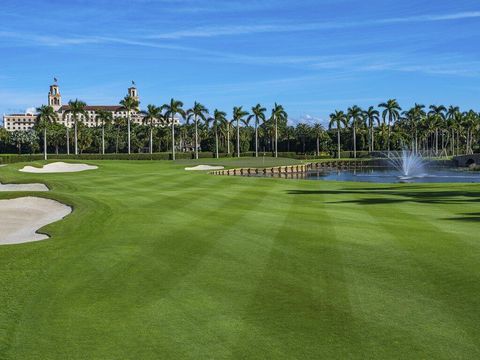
x=154, y=113
x=197, y=112
x=355, y=114
x=75, y=108
x=105, y=118
x=278, y=113
x=337, y=119
x=303, y=131
x=372, y=116
x=319, y=132
x=171, y=110
x=130, y=104
x=218, y=118
x=258, y=114
x=238, y=115
x=437, y=117
x=46, y=116
x=392, y=112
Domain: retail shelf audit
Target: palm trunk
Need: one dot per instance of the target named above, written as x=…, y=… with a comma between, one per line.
x=103, y=139
x=196, y=138
x=216, y=142
x=354, y=141
x=276, y=138
x=338, y=142
x=118, y=139
x=68, y=141
x=318, y=146
x=256, y=137
x=373, y=139
x=238, y=138
x=76, y=138
x=151, y=139
x=45, y=142
x=228, y=139
x=173, y=137
x=128, y=131
x=388, y=140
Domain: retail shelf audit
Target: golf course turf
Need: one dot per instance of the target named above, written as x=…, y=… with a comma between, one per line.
x=159, y=263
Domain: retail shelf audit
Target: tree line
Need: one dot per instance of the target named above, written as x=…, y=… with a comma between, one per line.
x=171, y=127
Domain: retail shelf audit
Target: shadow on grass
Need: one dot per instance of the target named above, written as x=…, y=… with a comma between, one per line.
x=392, y=195
x=467, y=217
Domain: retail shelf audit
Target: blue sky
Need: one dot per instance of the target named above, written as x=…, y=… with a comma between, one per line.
x=313, y=56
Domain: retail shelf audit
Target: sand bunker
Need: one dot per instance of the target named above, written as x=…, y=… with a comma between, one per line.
x=21, y=218
x=204, y=168
x=23, y=187
x=58, y=167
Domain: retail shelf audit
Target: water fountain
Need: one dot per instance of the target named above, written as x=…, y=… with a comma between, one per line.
x=408, y=163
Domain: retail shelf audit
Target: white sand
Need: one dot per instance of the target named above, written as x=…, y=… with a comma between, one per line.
x=23, y=187
x=21, y=218
x=58, y=167
x=204, y=168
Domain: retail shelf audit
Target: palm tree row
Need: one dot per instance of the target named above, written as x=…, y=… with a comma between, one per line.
x=438, y=129
x=166, y=114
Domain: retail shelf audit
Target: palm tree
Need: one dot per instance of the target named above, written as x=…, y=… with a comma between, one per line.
x=289, y=133
x=372, y=116
x=218, y=118
x=278, y=113
x=355, y=114
x=175, y=107
x=319, y=131
x=258, y=113
x=437, y=114
x=119, y=123
x=392, y=111
x=238, y=115
x=452, y=116
x=129, y=104
x=75, y=108
x=198, y=111
x=105, y=117
x=46, y=115
x=337, y=119
x=153, y=114
x=302, y=131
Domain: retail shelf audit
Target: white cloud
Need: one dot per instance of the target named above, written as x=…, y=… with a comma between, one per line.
x=275, y=28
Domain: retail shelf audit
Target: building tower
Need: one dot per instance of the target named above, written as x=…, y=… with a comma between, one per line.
x=54, y=97
x=133, y=92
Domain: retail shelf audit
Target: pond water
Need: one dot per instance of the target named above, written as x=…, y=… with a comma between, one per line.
x=393, y=176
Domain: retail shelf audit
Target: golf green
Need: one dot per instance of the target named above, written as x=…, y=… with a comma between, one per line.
x=159, y=263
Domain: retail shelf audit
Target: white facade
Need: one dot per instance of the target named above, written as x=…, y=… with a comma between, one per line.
x=23, y=122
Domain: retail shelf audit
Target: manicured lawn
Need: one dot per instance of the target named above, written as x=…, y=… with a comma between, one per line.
x=158, y=263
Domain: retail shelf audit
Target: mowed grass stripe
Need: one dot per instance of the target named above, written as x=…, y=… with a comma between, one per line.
x=431, y=284
x=217, y=293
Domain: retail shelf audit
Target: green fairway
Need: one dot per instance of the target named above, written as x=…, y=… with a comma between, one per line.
x=159, y=263
x=242, y=162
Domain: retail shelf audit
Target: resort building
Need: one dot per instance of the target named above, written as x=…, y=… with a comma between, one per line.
x=22, y=122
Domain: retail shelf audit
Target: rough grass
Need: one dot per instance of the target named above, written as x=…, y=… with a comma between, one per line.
x=156, y=263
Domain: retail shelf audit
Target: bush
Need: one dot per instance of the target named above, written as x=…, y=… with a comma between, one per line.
x=8, y=159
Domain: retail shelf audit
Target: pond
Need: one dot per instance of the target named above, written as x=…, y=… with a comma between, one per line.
x=444, y=175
